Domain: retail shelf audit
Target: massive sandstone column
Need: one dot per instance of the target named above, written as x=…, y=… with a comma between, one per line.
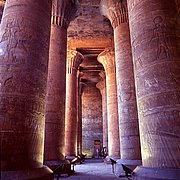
x=107, y=59
x=71, y=122
x=62, y=13
x=79, y=114
x=117, y=12
x=102, y=87
x=24, y=45
x=155, y=44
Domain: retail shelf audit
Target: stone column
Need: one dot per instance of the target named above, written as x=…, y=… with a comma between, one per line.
x=156, y=57
x=102, y=87
x=24, y=46
x=62, y=13
x=117, y=12
x=79, y=108
x=107, y=59
x=73, y=60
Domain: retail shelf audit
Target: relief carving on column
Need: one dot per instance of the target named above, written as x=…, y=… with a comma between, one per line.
x=74, y=58
x=64, y=11
x=115, y=10
x=107, y=58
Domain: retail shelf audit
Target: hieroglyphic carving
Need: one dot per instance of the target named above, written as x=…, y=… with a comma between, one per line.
x=159, y=32
x=125, y=91
x=151, y=105
x=14, y=41
x=133, y=4
x=21, y=104
x=158, y=81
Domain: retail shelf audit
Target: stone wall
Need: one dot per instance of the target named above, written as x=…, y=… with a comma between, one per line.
x=89, y=23
x=92, y=125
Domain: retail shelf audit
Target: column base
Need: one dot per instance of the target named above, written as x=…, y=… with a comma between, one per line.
x=131, y=164
x=60, y=167
x=43, y=173
x=114, y=157
x=53, y=163
x=141, y=173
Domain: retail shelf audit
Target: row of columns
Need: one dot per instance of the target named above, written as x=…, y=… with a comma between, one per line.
x=127, y=108
x=154, y=64
x=62, y=13
x=102, y=87
x=156, y=68
x=108, y=61
x=25, y=71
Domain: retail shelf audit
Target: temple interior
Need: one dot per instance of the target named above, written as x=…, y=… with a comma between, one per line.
x=84, y=80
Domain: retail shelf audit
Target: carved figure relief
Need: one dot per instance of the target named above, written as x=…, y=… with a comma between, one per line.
x=159, y=33
x=14, y=38
x=153, y=82
x=126, y=91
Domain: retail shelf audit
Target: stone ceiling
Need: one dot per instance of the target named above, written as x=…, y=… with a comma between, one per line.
x=90, y=33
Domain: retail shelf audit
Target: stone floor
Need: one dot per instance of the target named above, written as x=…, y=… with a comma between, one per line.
x=95, y=170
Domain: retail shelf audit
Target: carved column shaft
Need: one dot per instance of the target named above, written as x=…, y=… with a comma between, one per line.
x=23, y=74
x=155, y=45
x=55, y=99
x=102, y=87
x=62, y=13
x=73, y=60
x=80, y=90
x=127, y=108
x=107, y=59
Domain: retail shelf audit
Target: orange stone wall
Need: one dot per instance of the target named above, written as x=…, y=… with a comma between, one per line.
x=92, y=125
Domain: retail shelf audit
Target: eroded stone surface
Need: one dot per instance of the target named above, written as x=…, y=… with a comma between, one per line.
x=107, y=58
x=156, y=60
x=24, y=58
x=62, y=13
x=101, y=85
x=91, y=119
x=127, y=108
x=74, y=58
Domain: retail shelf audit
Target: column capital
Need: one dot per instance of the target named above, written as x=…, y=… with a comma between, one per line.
x=102, y=74
x=74, y=58
x=63, y=12
x=80, y=74
x=2, y=2
x=115, y=10
x=101, y=85
x=107, y=59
